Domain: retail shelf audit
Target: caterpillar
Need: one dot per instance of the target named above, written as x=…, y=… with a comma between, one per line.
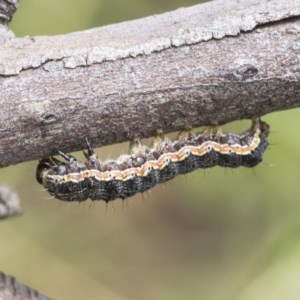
x=147, y=166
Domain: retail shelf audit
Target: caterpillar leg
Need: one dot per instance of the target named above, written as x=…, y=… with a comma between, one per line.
x=212, y=130
x=90, y=150
x=256, y=123
x=92, y=161
x=185, y=134
x=89, y=154
x=67, y=157
x=135, y=146
x=158, y=139
x=50, y=162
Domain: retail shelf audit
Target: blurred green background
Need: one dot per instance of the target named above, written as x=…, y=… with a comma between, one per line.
x=218, y=234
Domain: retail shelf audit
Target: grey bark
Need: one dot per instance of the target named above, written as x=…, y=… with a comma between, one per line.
x=11, y=289
x=7, y=9
x=210, y=63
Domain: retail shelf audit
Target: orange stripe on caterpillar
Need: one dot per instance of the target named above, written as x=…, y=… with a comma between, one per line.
x=146, y=167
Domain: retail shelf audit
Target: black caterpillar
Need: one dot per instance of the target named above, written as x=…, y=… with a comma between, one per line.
x=136, y=173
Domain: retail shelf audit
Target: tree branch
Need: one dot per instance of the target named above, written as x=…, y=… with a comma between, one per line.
x=9, y=202
x=7, y=9
x=214, y=62
x=11, y=289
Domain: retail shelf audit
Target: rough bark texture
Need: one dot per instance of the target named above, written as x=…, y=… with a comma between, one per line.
x=214, y=62
x=11, y=289
x=9, y=202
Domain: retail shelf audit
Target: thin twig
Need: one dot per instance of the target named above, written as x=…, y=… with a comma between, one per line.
x=11, y=289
